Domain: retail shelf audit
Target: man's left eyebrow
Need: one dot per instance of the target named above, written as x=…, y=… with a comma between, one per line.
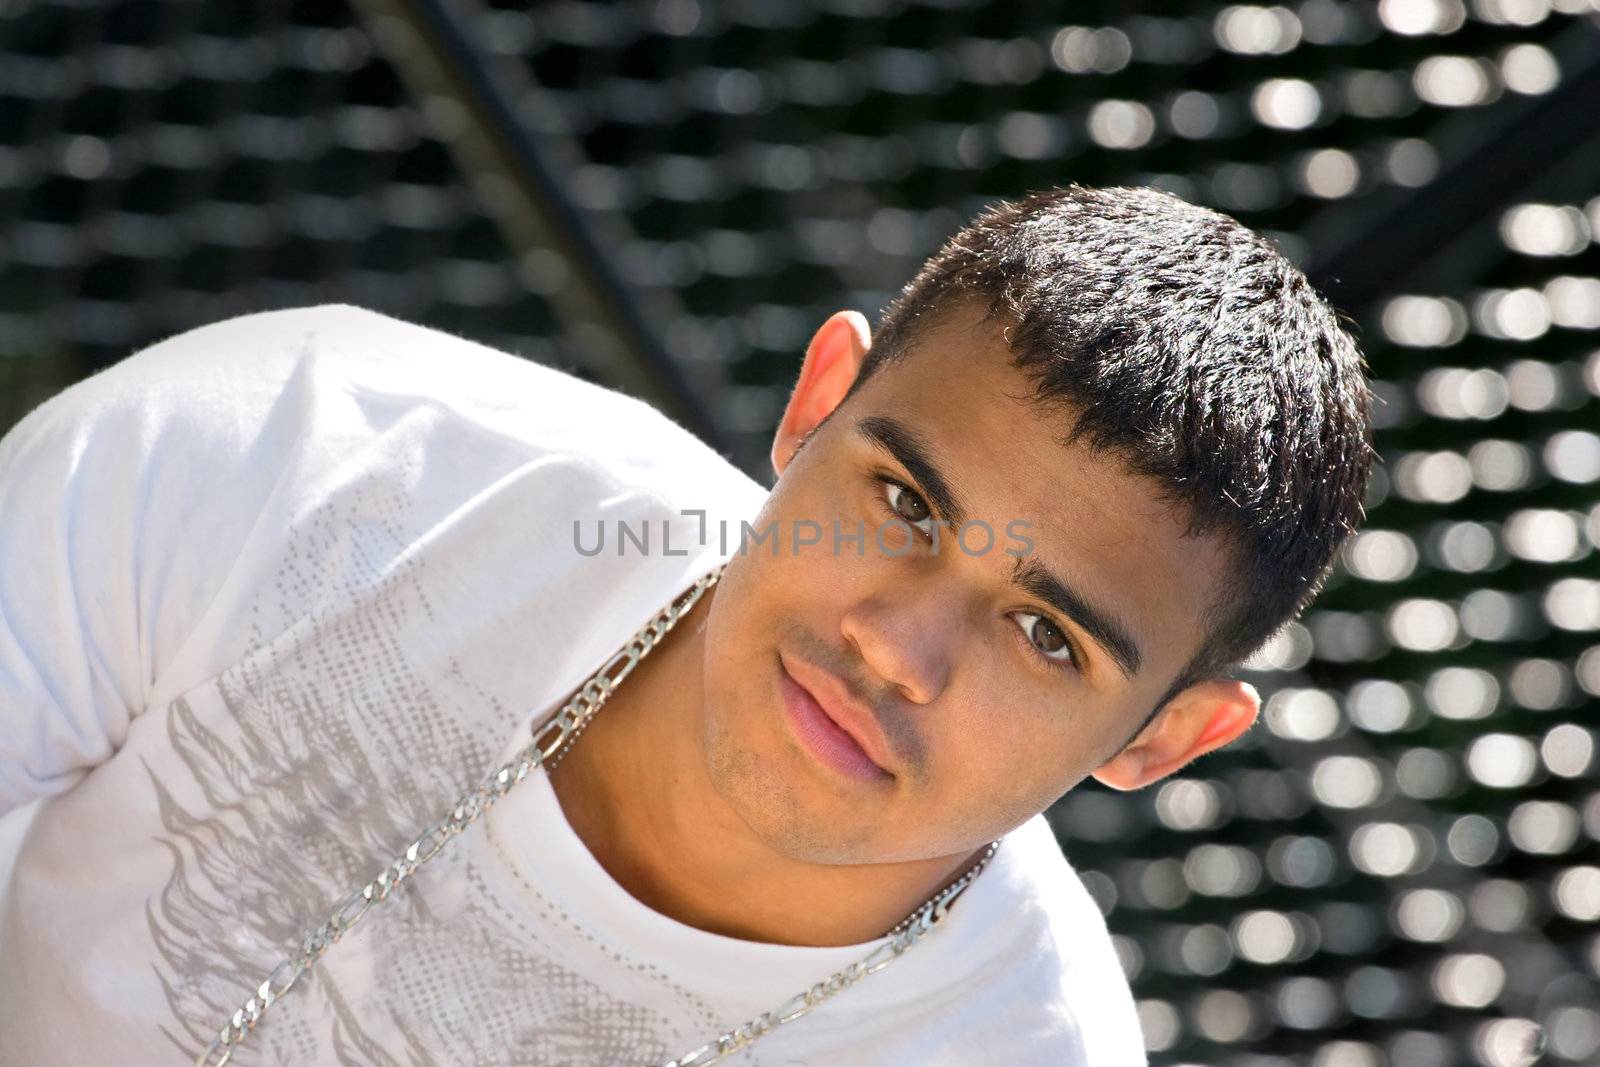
x=890, y=435
x=1108, y=633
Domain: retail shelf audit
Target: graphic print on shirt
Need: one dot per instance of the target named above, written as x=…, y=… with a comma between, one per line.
x=309, y=765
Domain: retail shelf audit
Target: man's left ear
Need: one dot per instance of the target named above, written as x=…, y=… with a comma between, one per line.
x=1203, y=717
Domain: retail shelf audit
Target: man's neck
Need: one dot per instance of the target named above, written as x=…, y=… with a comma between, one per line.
x=635, y=789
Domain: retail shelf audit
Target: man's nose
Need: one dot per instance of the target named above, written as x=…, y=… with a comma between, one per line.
x=905, y=638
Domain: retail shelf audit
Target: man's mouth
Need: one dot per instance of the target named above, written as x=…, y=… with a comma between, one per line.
x=837, y=731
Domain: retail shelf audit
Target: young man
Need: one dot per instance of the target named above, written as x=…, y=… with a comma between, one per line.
x=278, y=591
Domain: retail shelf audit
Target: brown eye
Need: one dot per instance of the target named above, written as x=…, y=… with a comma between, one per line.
x=908, y=506
x=1046, y=638
x=907, y=501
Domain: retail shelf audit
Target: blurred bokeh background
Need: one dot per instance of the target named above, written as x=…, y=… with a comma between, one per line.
x=1398, y=866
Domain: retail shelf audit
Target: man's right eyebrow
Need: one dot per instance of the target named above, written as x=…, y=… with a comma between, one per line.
x=890, y=435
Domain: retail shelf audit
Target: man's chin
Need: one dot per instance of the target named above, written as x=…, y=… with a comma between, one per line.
x=784, y=814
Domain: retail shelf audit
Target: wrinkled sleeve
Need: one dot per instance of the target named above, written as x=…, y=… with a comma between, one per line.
x=123, y=502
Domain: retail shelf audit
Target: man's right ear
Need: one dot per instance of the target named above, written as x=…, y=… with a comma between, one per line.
x=1202, y=718
x=833, y=358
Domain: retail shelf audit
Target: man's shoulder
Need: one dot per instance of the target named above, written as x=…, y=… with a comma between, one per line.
x=1023, y=971
x=253, y=359
x=1067, y=957
x=352, y=370
x=382, y=352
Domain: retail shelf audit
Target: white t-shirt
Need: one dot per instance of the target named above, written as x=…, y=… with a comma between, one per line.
x=274, y=593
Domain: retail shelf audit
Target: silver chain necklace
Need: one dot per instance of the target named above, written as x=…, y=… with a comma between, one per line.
x=550, y=742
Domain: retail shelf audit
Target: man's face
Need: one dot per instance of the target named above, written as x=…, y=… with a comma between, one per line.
x=990, y=699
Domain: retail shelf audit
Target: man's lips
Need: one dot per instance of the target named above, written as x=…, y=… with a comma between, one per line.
x=839, y=704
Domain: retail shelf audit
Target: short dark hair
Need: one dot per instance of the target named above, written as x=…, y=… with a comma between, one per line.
x=1189, y=347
